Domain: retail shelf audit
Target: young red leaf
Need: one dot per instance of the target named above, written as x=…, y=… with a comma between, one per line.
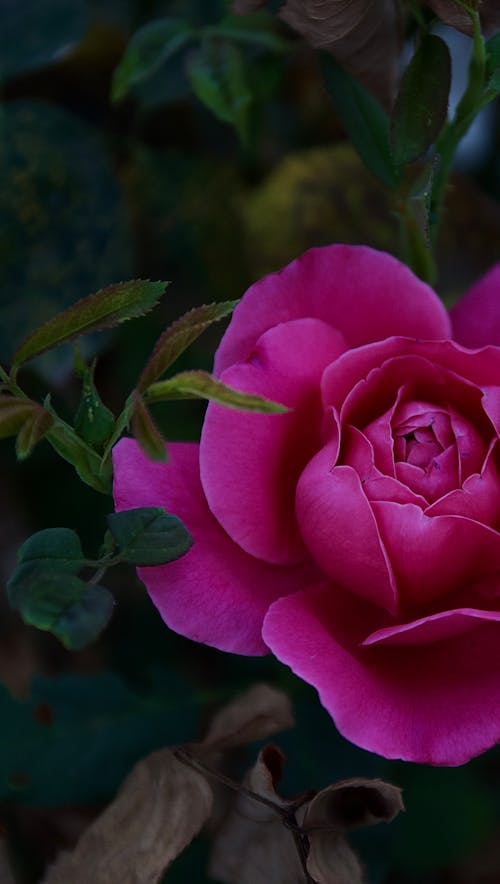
x=178, y=337
x=105, y=309
x=147, y=433
x=201, y=384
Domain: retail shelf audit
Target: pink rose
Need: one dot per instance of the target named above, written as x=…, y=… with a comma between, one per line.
x=355, y=536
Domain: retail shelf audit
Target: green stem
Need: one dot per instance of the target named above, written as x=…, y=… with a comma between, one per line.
x=473, y=99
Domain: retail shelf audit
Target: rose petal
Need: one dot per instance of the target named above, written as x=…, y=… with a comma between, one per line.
x=438, y=478
x=476, y=317
x=436, y=703
x=250, y=463
x=435, y=628
x=431, y=556
x=338, y=526
x=465, y=371
x=216, y=593
x=367, y=295
x=357, y=452
x=478, y=498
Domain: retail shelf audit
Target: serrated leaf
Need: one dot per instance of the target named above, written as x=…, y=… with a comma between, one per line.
x=60, y=603
x=201, y=384
x=147, y=433
x=105, y=309
x=179, y=336
x=149, y=535
x=149, y=48
x=93, y=421
x=57, y=548
x=422, y=103
x=364, y=120
x=217, y=73
x=32, y=432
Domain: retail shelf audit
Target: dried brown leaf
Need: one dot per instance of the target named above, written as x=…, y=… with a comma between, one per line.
x=161, y=806
x=254, y=715
x=352, y=803
x=337, y=809
x=253, y=846
x=363, y=35
x=456, y=17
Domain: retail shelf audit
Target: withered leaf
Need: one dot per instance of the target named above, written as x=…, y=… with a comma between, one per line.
x=363, y=35
x=253, y=846
x=254, y=715
x=337, y=809
x=161, y=806
x=454, y=15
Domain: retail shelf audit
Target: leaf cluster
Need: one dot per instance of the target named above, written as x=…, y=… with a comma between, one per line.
x=49, y=591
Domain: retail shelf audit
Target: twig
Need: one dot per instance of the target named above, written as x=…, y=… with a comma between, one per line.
x=287, y=814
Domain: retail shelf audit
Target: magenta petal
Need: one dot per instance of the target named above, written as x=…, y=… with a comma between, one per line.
x=431, y=556
x=435, y=628
x=491, y=405
x=216, y=593
x=476, y=366
x=339, y=529
x=435, y=703
x=250, y=463
x=479, y=497
x=476, y=317
x=357, y=452
x=367, y=295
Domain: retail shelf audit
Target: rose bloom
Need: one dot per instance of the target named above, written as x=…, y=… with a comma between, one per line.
x=357, y=535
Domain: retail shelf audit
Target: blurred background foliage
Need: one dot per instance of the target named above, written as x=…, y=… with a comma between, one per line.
x=210, y=194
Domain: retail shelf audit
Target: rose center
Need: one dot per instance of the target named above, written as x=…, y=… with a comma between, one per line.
x=418, y=447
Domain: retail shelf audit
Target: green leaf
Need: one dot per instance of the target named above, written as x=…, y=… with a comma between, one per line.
x=493, y=83
x=149, y=536
x=147, y=433
x=75, y=738
x=60, y=603
x=218, y=76
x=179, y=336
x=365, y=122
x=105, y=309
x=422, y=103
x=93, y=421
x=251, y=29
x=149, y=48
x=57, y=548
x=492, y=48
x=201, y=384
x=87, y=462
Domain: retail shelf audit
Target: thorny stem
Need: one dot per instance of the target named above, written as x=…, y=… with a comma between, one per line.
x=287, y=814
